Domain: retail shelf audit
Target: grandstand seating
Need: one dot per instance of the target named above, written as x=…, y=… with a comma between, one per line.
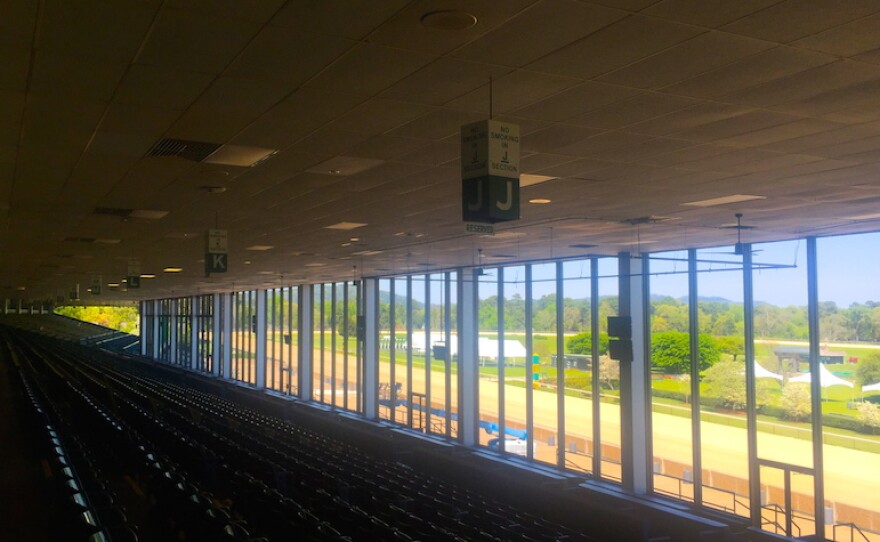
x=150, y=452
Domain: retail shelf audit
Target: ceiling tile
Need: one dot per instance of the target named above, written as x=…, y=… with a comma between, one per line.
x=637, y=109
x=86, y=76
x=352, y=19
x=444, y=80
x=370, y=69
x=16, y=63
x=555, y=137
x=276, y=55
x=148, y=86
x=378, y=116
x=520, y=41
x=437, y=124
x=693, y=57
x=513, y=91
x=228, y=106
x=732, y=126
x=761, y=68
x=582, y=98
x=781, y=132
x=794, y=19
x=296, y=117
x=629, y=40
x=256, y=11
x=405, y=30
x=846, y=40
x=710, y=13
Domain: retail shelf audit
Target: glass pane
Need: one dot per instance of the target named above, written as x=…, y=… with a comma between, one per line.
x=514, y=361
x=671, y=367
x=724, y=445
x=578, y=364
x=488, y=360
x=849, y=326
x=609, y=428
x=545, y=399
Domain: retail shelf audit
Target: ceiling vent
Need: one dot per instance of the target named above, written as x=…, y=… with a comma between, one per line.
x=652, y=219
x=196, y=151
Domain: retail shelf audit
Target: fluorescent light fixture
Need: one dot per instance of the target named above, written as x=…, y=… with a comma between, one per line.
x=239, y=155
x=869, y=216
x=148, y=276
x=173, y=269
x=314, y=264
x=148, y=213
x=530, y=179
x=366, y=253
x=260, y=247
x=540, y=200
x=113, y=285
x=344, y=165
x=345, y=226
x=265, y=272
x=724, y=200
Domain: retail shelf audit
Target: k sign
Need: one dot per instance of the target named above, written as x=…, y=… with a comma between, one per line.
x=216, y=263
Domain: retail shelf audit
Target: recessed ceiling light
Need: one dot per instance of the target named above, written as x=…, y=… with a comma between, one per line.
x=247, y=262
x=148, y=214
x=265, y=272
x=314, y=264
x=346, y=244
x=21, y=288
x=113, y=285
x=344, y=165
x=724, y=200
x=530, y=179
x=239, y=155
x=173, y=269
x=148, y=276
x=449, y=19
x=355, y=239
x=260, y=247
x=345, y=226
x=539, y=200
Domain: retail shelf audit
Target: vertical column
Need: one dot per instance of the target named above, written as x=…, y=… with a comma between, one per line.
x=305, y=316
x=634, y=403
x=751, y=392
x=174, y=321
x=468, y=348
x=226, y=300
x=216, y=334
x=155, y=323
x=815, y=386
x=142, y=316
x=195, y=322
x=260, y=350
x=371, y=348
x=6, y=306
x=694, y=330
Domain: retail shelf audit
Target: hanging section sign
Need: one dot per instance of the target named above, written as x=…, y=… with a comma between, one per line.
x=489, y=171
x=216, y=252
x=133, y=278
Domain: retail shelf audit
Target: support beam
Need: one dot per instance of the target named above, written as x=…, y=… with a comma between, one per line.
x=371, y=349
x=634, y=377
x=194, y=325
x=156, y=304
x=260, y=347
x=305, y=317
x=173, y=320
x=226, y=362
x=815, y=384
x=216, y=335
x=468, y=347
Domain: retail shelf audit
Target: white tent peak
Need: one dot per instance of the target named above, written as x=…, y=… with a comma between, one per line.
x=826, y=378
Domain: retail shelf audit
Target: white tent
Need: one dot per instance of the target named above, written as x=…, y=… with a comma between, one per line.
x=871, y=387
x=512, y=348
x=826, y=378
x=761, y=372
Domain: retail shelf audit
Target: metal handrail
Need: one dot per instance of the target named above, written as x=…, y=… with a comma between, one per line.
x=853, y=528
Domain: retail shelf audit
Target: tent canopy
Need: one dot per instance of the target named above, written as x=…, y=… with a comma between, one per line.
x=871, y=387
x=826, y=378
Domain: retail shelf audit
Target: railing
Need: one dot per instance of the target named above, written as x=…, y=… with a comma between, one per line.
x=853, y=529
x=777, y=527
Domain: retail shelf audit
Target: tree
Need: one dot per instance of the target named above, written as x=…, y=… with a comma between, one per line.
x=796, y=401
x=868, y=369
x=869, y=414
x=609, y=371
x=731, y=345
x=582, y=343
x=671, y=352
x=726, y=381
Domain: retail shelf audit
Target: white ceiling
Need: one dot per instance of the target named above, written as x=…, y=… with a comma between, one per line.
x=635, y=106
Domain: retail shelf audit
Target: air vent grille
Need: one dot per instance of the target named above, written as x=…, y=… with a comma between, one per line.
x=189, y=150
